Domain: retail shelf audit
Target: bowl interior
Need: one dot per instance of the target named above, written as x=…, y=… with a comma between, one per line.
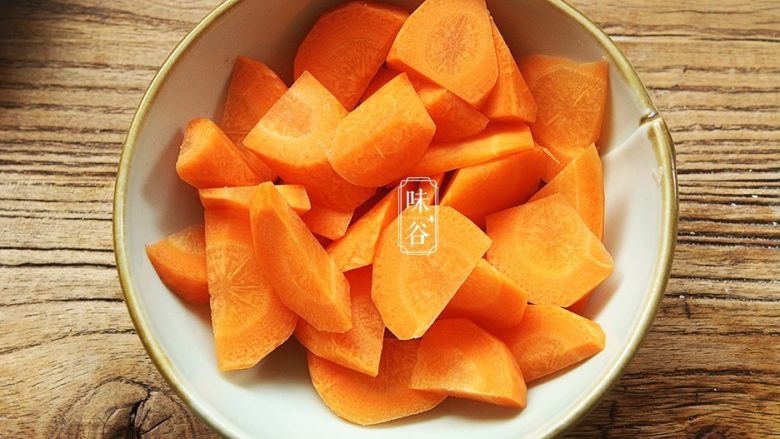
x=276, y=397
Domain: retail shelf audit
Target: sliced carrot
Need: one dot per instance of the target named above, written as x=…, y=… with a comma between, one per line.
x=411, y=291
x=292, y=139
x=247, y=317
x=455, y=118
x=254, y=88
x=479, y=190
x=367, y=400
x=208, y=158
x=571, y=97
x=550, y=338
x=359, y=348
x=432, y=189
x=382, y=77
x=347, y=45
x=295, y=264
x=180, y=261
x=327, y=222
x=495, y=142
x=488, y=298
x=381, y=140
x=548, y=250
x=358, y=245
x=449, y=42
x=458, y=358
x=582, y=183
x=238, y=197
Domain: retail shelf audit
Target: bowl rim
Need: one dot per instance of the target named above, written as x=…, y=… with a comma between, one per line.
x=663, y=147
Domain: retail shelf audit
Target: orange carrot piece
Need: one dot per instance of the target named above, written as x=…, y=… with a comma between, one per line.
x=488, y=298
x=450, y=43
x=359, y=348
x=247, y=317
x=347, y=45
x=480, y=190
x=495, y=142
x=572, y=99
x=411, y=291
x=458, y=358
x=327, y=222
x=455, y=118
x=381, y=140
x=292, y=139
x=209, y=159
x=367, y=400
x=582, y=184
x=180, y=261
x=511, y=99
x=358, y=245
x=549, y=338
x=382, y=77
x=548, y=250
x=295, y=264
x=238, y=197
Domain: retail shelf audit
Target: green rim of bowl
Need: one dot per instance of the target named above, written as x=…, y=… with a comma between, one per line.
x=662, y=145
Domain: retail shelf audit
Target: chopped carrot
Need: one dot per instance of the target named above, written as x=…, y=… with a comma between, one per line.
x=488, y=298
x=455, y=118
x=582, y=184
x=347, y=45
x=480, y=190
x=238, y=197
x=381, y=140
x=292, y=139
x=411, y=291
x=549, y=338
x=458, y=358
x=367, y=400
x=303, y=275
x=495, y=142
x=180, y=261
x=327, y=222
x=382, y=77
x=209, y=159
x=511, y=99
x=247, y=317
x=548, y=250
x=359, y=348
x=358, y=245
x=450, y=43
x=572, y=99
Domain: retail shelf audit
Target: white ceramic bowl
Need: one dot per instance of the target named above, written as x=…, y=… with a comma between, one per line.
x=276, y=399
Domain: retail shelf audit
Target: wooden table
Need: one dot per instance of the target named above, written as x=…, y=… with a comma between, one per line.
x=73, y=71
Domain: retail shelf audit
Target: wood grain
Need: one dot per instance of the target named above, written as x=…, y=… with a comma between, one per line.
x=73, y=71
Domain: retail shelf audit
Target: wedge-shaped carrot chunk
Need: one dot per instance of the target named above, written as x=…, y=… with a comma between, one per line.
x=458, y=358
x=327, y=222
x=511, y=99
x=480, y=190
x=238, y=197
x=495, y=142
x=450, y=43
x=454, y=118
x=248, y=319
x=547, y=249
x=582, y=184
x=347, y=45
x=208, y=158
x=292, y=139
x=381, y=140
x=411, y=291
x=572, y=99
x=382, y=77
x=488, y=298
x=180, y=261
x=549, y=338
x=295, y=264
x=367, y=400
x=358, y=245
x=359, y=348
